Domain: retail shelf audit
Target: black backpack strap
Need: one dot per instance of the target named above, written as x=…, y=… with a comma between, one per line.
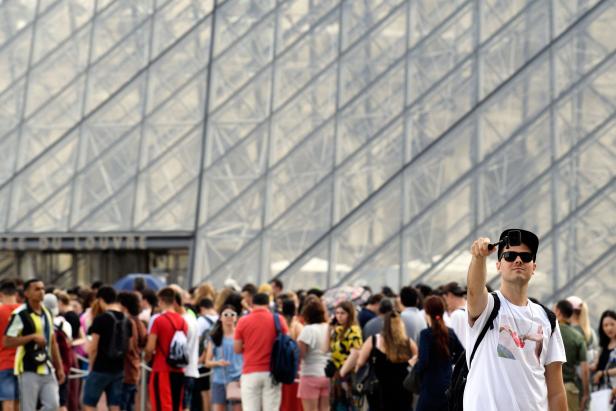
x=548, y=312
x=488, y=325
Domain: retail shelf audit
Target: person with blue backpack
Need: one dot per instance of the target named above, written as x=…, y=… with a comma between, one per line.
x=515, y=349
x=254, y=337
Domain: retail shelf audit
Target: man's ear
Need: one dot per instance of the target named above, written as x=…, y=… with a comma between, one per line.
x=498, y=264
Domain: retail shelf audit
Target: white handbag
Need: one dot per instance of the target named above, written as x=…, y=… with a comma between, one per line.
x=600, y=400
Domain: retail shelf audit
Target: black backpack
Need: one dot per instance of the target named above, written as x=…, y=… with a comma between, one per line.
x=284, y=361
x=455, y=393
x=120, y=336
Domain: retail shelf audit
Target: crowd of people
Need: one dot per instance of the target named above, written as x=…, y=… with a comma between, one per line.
x=87, y=348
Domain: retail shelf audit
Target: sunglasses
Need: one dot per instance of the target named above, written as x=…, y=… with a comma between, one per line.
x=510, y=256
x=229, y=314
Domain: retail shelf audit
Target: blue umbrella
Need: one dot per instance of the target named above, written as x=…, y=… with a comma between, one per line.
x=127, y=283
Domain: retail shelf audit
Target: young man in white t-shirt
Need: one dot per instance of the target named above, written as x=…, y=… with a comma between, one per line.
x=518, y=364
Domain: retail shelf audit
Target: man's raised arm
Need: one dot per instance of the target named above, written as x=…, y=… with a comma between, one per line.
x=477, y=294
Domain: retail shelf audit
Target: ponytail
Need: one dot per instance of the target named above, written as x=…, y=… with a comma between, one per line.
x=585, y=322
x=435, y=308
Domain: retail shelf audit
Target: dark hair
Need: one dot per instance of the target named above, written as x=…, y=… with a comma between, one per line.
x=96, y=285
x=150, y=296
x=435, y=308
x=260, y=299
x=167, y=295
x=385, y=306
x=107, y=294
x=424, y=289
x=565, y=308
x=313, y=311
x=249, y=288
x=217, y=332
x=604, y=340
x=409, y=296
x=87, y=297
x=315, y=291
x=130, y=301
x=139, y=284
x=206, y=303
x=288, y=310
x=8, y=287
x=27, y=283
x=374, y=299
x=388, y=292
x=277, y=283
x=235, y=300
x=178, y=298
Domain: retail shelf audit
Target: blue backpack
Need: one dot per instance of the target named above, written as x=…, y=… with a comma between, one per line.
x=284, y=361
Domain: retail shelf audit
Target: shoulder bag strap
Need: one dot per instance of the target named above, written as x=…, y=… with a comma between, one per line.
x=373, y=350
x=277, y=324
x=488, y=325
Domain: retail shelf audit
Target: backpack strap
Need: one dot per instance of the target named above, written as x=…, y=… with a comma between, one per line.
x=548, y=312
x=172, y=324
x=488, y=325
x=277, y=324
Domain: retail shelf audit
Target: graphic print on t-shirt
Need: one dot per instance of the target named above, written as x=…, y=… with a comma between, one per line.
x=525, y=341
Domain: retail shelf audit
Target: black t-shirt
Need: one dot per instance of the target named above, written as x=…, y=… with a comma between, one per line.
x=103, y=326
x=73, y=320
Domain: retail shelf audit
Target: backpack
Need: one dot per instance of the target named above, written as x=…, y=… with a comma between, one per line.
x=455, y=393
x=66, y=352
x=178, y=348
x=284, y=361
x=120, y=336
x=205, y=337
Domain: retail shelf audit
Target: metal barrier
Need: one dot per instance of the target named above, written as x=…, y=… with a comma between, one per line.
x=76, y=373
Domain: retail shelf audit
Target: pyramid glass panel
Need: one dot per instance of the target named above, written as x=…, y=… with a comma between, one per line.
x=321, y=142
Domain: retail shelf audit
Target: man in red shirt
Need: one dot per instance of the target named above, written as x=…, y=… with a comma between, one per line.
x=9, y=393
x=254, y=337
x=166, y=382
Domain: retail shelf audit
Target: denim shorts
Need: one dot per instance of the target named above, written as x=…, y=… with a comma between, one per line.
x=219, y=394
x=9, y=389
x=99, y=382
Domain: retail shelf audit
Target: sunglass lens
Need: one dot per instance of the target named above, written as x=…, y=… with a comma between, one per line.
x=526, y=257
x=511, y=256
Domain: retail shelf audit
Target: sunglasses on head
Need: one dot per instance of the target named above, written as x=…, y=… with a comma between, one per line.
x=510, y=256
x=229, y=314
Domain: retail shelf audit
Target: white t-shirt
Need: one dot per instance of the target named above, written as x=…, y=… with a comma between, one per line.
x=459, y=323
x=508, y=369
x=315, y=360
x=204, y=325
x=192, y=342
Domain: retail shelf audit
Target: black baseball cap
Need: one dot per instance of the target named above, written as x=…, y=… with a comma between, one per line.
x=526, y=237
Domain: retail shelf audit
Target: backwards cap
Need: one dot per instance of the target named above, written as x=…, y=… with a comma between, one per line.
x=528, y=238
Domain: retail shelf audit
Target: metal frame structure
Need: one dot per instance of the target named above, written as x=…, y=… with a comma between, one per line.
x=322, y=142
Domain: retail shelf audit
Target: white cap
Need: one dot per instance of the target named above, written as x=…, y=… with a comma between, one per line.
x=576, y=302
x=50, y=302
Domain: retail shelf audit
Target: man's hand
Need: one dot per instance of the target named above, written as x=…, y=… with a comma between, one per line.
x=480, y=249
x=596, y=379
x=60, y=375
x=39, y=340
